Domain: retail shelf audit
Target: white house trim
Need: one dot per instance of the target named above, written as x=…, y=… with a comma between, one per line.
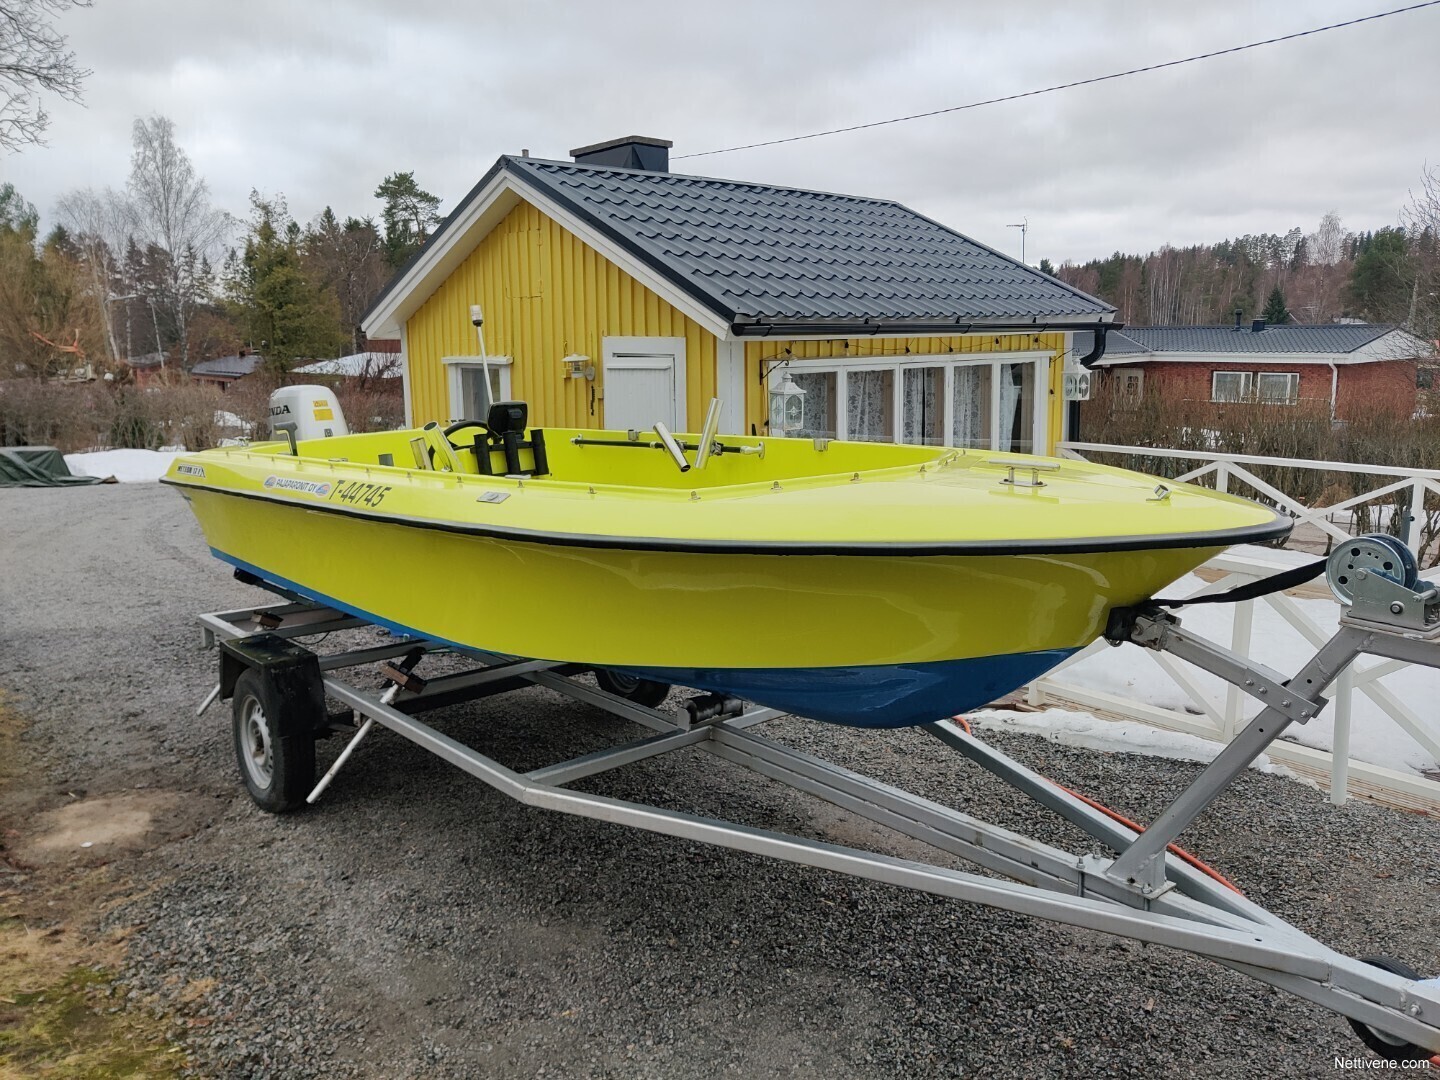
x=405, y=375
x=730, y=384
x=475, y=221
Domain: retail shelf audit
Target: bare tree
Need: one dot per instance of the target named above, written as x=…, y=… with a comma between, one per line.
x=33, y=60
x=1327, y=243
x=172, y=208
x=1422, y=227
x=100, y=223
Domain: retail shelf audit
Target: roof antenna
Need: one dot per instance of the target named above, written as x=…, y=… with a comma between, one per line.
x=1024, y=228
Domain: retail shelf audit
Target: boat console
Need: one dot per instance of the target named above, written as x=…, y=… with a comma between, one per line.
x=503, y=433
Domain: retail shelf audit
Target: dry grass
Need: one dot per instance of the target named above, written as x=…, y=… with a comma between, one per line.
x=60, y=1014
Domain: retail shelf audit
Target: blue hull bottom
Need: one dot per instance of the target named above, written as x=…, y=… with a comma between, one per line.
x=878, y=696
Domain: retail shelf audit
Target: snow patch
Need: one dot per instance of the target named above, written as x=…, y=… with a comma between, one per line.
x=127, y=466
x=1374, y=736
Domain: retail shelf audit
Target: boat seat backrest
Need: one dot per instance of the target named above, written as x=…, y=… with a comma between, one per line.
x=505, y=434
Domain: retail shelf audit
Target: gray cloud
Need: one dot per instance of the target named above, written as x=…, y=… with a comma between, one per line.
x=321, y=100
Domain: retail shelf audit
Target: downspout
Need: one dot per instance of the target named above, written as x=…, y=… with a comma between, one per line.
x=1097, y=350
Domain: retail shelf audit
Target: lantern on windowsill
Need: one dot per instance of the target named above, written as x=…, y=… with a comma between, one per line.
x=787, y=408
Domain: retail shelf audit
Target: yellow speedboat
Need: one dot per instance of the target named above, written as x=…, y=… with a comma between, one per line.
x=865, y=584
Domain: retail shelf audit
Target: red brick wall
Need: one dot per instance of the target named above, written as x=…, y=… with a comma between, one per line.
x=1387, y=384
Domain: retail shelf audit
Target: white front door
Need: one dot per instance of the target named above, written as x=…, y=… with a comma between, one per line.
x=644, y=382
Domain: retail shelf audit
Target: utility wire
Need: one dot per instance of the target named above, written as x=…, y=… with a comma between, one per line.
x=1065, y=86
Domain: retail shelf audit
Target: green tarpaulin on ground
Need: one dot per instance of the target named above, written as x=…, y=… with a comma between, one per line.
x=37, y=466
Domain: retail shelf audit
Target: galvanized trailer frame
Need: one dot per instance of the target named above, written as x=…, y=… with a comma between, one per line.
x=1146, y=894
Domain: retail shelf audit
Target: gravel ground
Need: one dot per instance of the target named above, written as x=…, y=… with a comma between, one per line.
x=416, y=923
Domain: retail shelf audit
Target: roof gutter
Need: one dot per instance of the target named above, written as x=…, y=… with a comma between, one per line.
x=748, y=326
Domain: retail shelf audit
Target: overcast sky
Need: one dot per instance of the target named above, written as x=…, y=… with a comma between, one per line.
x=319, y=100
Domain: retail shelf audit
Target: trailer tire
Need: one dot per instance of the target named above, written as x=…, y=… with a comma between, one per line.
x=1390, y=1047
x=274, y=744
x=644, y=692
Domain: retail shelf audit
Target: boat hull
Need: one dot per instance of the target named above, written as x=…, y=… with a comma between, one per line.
x=868, y=640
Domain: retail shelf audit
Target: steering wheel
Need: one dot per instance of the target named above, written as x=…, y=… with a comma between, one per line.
x=461, y=425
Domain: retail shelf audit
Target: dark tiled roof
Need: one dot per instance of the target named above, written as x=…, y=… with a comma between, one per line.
x=1329, y=338
x=228, y=367
x=756, y=253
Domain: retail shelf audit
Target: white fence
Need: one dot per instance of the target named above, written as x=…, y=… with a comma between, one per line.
x=1337, y=770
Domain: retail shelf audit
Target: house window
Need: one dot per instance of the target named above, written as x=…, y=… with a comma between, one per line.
x=1129, y=387
x=1230, y=386
x=1266, y=387
x=1277, y=387
x=467, y=380
x=989, y=404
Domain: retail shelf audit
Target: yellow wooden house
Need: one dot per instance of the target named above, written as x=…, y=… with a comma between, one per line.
x=616, y=294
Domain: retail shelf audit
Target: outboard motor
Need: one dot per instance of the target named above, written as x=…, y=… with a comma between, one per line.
x=306, y=412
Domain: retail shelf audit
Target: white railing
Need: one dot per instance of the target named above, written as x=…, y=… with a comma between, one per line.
x=1231, y=474
x=1336, y=769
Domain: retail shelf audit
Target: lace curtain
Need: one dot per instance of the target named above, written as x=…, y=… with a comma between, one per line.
x=923, y=406
x=870, y=402
x=819, y=415
x=972, y=406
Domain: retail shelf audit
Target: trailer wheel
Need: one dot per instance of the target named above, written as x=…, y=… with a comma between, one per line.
x=632, y=688
x=1390, y=1047
x=274, y=744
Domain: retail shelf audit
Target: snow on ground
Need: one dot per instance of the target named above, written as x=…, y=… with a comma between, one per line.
x=1374, y=736
x=228, y=419
x=1113, y=736
x=127, y=466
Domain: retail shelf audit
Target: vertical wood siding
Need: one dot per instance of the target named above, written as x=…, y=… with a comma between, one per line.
x=546, y=295
x=757, y=404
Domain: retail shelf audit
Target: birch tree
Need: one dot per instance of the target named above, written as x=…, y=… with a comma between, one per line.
x=1422, y=220
x=100, y=224
x=173, y=212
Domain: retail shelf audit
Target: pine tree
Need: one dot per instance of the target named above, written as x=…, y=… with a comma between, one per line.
x=1276, y=314
x=409, y=215
x=286, y=314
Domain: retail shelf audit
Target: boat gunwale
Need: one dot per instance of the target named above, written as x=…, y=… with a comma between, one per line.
x=1279, y=526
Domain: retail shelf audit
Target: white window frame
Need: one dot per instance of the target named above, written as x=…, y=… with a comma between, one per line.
x=1132, y=385
x=1247, y=387
x=1291, y=398
x=502, y=366
x=841, y=366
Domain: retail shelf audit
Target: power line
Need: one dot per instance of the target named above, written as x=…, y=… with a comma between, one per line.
x=1065, y=86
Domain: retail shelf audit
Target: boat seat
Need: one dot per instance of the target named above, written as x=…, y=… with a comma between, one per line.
x=505, y=433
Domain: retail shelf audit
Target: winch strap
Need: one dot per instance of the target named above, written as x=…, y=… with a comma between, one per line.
x=1253, y=590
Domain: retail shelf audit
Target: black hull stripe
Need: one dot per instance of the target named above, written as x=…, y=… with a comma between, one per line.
x=1278, y=527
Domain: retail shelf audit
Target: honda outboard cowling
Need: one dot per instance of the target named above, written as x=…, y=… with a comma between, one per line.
x=306, y=412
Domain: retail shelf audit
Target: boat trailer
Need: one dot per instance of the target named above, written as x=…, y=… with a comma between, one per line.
x=1147, y=893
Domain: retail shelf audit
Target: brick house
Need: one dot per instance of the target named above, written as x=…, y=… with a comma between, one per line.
x=1347, y=367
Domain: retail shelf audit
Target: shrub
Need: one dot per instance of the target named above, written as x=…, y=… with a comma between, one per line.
x=83, y=416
